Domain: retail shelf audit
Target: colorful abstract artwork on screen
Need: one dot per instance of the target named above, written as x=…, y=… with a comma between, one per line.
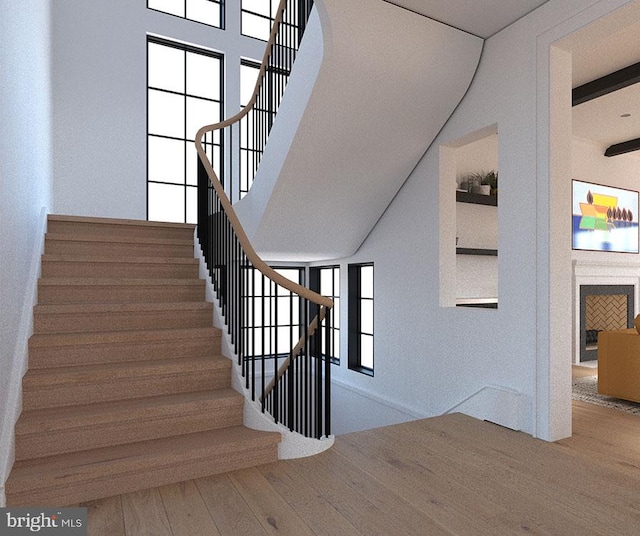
x=604, y=218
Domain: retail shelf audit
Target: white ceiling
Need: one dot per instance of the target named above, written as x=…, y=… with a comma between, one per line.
x=479, y=17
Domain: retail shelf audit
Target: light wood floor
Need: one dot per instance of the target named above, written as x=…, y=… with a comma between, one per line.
x=451, y=475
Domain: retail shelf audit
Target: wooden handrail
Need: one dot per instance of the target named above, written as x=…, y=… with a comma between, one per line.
x=255, y=259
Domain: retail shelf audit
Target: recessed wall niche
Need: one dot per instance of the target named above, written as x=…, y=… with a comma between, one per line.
x=469, y=192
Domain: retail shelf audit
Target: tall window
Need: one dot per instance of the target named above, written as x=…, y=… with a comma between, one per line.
x=249, y=155
x=184, y=93
x=325, y=280
x=209, y=12
x=361, y=318
x=273, y=314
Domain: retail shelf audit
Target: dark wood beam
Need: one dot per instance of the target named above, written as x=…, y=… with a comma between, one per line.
x=624, y=147
x=607, y=84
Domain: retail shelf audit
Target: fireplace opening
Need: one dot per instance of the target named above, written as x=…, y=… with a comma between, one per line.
x=603, y=308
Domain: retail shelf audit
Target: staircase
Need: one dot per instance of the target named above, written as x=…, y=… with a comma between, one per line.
x=126, y=387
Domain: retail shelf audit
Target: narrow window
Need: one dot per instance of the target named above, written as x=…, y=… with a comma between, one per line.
x=249, y=155
x=184, y=93
x=325, y=280
x=210, y=12
x=361, y=318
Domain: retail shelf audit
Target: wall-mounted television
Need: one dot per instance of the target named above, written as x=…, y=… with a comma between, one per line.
x=604, y=218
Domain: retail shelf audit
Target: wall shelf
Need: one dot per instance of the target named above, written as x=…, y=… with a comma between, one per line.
x=477, y=199
x=477, y=251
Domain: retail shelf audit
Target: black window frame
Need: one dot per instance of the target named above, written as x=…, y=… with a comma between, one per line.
x=355, y=332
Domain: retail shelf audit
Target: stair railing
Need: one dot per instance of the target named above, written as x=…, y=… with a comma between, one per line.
x=284, y=366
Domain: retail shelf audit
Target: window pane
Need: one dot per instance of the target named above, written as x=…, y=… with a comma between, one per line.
x=257, y=6
x=204, y=11
x=335, y=312
x=248, y=76
x=199, y=113
x=203, y=76
x=326, y=281
x=173, y=7
x=192, y=205
x=366, y=282
x=366, y=351
x=166, y=114
x=166, y=202
x=366, y=316
x=166, y=68
x=256, y=26
x=166, y=160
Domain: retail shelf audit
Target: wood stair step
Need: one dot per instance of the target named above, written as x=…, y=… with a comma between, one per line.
x=73, y=318
x=101, y=246
x=72, y=349
x=118, y=290
x=131, y=267
x=68, y=386
x=51, y=431
x=87, y=475
x=62, y=224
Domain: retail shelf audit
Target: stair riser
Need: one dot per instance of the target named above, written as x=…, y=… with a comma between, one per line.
x=129, y=270
x=84, y=354
x=87, y=393
x=118, y=230
x=52, y=294
x=117, y=249
x=99, y=484
x=210, y=416
x=113, y=321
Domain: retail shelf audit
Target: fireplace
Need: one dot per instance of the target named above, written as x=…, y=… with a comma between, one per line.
x=603, y=308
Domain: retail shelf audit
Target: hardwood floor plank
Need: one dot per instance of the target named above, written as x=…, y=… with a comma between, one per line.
x=227, y=507
x=186, y=511
x=105, y=517
x=313, y=508
x=144, y=514
x=274, y=514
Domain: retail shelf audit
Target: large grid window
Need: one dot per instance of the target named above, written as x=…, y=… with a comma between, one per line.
x=325, y=280
x=210, y=12
x=361, y=318
x=273, y=314
x=184, y=92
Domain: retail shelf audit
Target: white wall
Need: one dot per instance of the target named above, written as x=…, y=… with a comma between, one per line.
x=427, y=358
x=99, y=81
x=25, y=169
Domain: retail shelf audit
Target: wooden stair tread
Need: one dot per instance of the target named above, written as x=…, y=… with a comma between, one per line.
x=68, y=237
x=117, y=281
x=89, y=308
x=67, y=469
x=93, y=415
x=118, y=221
x=53, y=257
x=120, y=337
x=43, y=378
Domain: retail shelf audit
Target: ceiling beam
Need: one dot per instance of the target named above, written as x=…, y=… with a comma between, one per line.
x=607, y=84
x=622, y=148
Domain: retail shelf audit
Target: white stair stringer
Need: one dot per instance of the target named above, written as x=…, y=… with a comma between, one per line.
x=293, y=445
x=371, y=87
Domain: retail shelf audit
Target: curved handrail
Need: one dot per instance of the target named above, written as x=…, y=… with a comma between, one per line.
x=255, y=259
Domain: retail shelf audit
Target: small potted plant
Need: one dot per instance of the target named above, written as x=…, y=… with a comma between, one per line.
x=484, y=182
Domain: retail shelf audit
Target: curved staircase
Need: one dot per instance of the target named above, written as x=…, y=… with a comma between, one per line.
x=126, y=387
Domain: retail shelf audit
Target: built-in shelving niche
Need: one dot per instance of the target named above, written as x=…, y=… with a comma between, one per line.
x=475, y=217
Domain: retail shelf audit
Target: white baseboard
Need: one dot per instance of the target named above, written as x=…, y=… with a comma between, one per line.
x=19, y=361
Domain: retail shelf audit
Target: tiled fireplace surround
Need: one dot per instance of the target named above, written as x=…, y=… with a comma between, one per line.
x=595, y=277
